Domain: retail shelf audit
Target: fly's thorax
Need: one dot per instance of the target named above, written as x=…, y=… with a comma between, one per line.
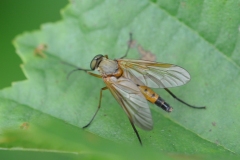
x=110, y=79
x=109, y=67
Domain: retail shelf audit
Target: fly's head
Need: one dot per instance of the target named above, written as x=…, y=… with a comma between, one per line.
x=106, y=67
x=96, y=61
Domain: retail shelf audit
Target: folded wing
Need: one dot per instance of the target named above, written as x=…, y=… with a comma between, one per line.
x=153, y=74
x=131, y=100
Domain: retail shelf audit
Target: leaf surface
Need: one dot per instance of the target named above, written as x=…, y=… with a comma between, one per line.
x=202, y=37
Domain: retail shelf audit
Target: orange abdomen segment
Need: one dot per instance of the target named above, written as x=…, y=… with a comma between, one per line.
x=149, y=94
x=153, y=97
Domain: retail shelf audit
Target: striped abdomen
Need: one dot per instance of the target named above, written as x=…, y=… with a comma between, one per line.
x=152, y=97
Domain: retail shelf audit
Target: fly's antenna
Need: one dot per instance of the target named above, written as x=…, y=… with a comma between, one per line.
x=77, y=69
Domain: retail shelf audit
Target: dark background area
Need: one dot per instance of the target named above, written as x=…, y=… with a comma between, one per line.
x=17, y=17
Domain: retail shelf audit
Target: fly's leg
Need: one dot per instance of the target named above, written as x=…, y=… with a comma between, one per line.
x=99, y=105
x=183, y=101
x=81, y=69
x=136, y=132
x=93, y=74
x=85, y=70
x=129, y=45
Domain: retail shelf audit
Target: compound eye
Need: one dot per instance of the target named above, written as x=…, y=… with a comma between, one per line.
x=93, y=64
x=95, y=61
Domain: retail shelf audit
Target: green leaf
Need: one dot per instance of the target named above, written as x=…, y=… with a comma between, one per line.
x=35, y=132
x=200, y=36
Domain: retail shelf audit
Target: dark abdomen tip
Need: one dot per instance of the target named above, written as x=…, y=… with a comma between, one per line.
x=160, y=103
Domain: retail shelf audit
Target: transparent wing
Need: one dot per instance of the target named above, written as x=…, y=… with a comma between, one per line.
x=153, y=74
x=131, y=100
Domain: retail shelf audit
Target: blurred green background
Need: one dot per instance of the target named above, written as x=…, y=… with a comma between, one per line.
x=17, y=17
